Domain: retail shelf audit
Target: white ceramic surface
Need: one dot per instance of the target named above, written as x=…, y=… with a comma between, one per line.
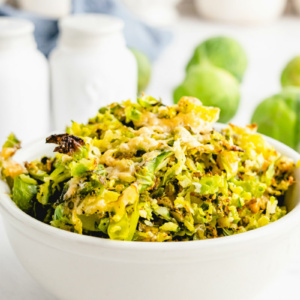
x=48, y=8
x=241, y=11
x=90, y=68
x=80, y=267
x=24, y=82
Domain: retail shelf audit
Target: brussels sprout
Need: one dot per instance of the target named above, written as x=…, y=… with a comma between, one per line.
x=214, y=87
x=24, y=191
x=90, y=222
x=12, y=142
x=222, y=52
x=279, y=117
x=144, y=70
x=44, y=192
x=291, y=74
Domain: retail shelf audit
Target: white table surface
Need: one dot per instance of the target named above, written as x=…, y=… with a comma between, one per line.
x=268, y=48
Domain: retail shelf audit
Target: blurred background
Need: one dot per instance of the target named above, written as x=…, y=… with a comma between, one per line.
x=230, y=53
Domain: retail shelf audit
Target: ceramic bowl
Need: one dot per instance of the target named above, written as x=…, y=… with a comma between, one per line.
x=72, y=266
x=241, y=12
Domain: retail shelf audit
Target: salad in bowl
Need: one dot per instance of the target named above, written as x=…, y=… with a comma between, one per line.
x=153, y=173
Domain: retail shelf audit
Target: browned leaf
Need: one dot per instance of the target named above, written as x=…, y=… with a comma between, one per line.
x=67, y=143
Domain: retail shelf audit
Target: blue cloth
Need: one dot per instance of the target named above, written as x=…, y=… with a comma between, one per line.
x=138, y=35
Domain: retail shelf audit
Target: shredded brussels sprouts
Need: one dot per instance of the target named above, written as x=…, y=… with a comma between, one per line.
x=148, y=172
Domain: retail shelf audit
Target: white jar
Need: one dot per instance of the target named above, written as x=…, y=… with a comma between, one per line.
x=90, y=68
x=24, y=82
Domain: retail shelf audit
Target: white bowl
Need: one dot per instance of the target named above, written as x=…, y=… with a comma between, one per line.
x=241, y=11
x=71, y=266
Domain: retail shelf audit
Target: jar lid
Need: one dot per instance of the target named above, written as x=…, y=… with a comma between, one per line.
x=91, y=24
x=10, y=27
x=16, y=34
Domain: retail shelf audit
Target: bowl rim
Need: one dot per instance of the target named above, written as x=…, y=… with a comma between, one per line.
x=289, y=221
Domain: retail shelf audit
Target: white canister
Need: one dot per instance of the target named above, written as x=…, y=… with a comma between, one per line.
x=241, y=11
x=90, y=68
x=48, y=8
x=24, y=82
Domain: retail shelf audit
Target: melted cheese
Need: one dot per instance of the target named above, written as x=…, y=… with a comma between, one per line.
x=73, y=186
x=122, y=169
x=197, y=121
x=189, y=140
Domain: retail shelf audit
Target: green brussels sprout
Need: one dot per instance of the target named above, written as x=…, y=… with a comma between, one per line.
x=291, y=74
x=214, y=87
x=279, y=117
x=222, y=52
x=12, y=142
x=24, y=191
x=144, y=70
